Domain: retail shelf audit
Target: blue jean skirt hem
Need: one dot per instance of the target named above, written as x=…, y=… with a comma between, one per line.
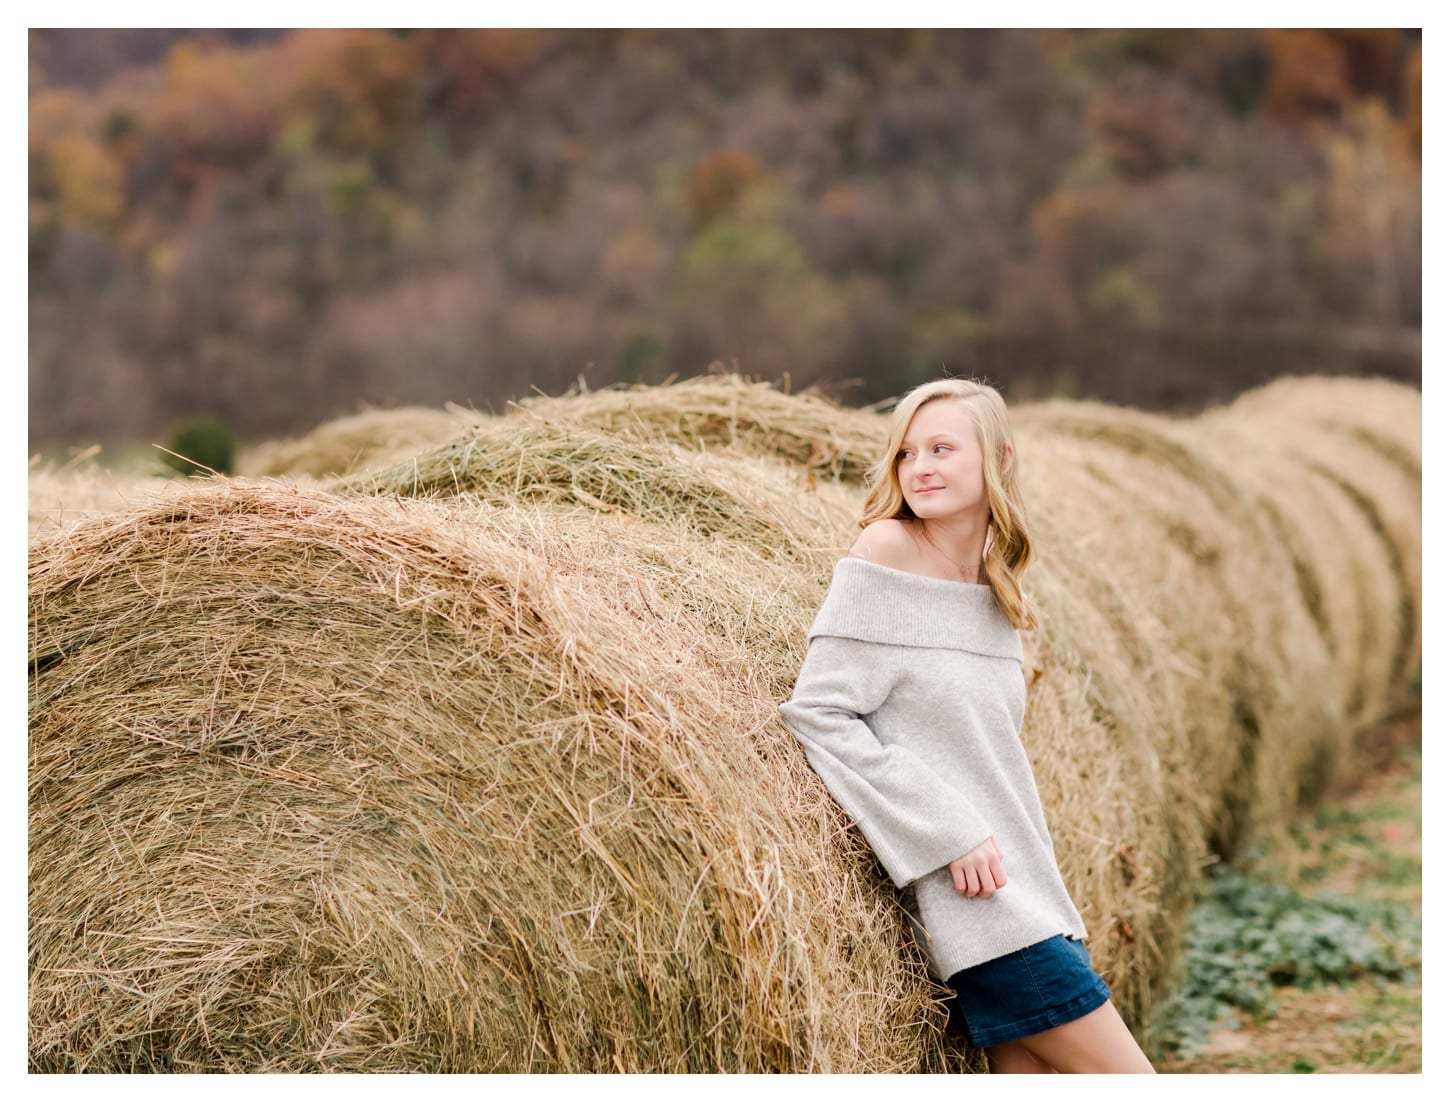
x=1027, y=991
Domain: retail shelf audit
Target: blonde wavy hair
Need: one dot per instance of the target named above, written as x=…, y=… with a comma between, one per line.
x=1009, y=547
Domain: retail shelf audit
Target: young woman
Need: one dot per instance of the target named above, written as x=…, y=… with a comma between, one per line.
x=909, y=706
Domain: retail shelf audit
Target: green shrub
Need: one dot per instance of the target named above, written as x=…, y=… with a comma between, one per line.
x=200, y=443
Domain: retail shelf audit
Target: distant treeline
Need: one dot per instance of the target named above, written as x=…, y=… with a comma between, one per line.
x=278, y=228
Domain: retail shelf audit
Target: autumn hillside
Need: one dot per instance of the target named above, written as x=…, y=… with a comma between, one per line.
x=280, y=227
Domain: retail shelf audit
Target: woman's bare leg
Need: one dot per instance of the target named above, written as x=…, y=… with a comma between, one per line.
x=1096, y=1043
x=1013, y=1059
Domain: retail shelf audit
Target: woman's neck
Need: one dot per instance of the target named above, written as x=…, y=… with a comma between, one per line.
x=960, y=542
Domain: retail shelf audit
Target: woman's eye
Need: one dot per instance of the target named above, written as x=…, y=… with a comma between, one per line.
x=941, y=448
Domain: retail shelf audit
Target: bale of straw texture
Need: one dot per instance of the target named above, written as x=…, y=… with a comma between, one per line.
x=1251, y=663
x=748, y=610
x=1140, y=762
x=1117, y=553
x=1383, y=413
x=1127, y=845
x=728, y=412
x=375, y=437
x=530, y=459
x=342, y=783
x=1354, y=520
x=550, y=563
x=1367, y=440
x=746, y=599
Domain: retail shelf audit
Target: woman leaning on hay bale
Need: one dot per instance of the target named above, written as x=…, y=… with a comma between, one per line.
x=909, y=705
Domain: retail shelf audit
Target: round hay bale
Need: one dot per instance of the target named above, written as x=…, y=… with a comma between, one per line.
x=746, y=614
x=1203, y=558
x=752, y=603
x=341, y=783
x=1384, y=492
x=1356, y=522
x=532, y=460
x=1089, y=731
x=375, y=437
x=1182, y=637
x=728, y=412
x=1386, y=415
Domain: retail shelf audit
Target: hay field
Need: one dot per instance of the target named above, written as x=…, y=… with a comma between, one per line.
x=467, y=758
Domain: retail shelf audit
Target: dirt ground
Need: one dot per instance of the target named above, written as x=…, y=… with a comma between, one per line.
x=1367, y=842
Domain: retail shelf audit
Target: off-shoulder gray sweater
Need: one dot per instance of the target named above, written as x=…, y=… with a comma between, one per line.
x=909, y=705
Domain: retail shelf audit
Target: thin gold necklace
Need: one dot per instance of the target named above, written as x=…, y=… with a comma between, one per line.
x=962, y=570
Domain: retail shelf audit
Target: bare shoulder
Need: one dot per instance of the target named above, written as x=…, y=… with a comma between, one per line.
x=887, y=542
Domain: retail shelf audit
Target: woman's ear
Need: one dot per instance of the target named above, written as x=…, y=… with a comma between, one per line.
x=1007, y=456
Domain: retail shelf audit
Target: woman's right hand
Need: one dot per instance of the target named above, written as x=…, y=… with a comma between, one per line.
x=980, y=871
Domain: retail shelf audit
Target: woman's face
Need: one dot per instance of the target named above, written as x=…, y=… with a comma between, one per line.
x=939, y=465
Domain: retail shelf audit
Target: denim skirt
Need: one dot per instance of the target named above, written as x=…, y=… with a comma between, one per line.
x=1025, y=992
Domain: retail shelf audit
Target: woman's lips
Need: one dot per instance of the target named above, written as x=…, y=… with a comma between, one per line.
x=929, y=489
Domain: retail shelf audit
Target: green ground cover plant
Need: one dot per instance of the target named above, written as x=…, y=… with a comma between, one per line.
x=1346, y=918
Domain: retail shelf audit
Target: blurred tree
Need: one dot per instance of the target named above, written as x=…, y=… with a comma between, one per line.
x=359, y=89
x=1148, y=122
x=1371, y=216
x=281, y=228
x=38, y=52
x=89, y=183
x=1411, y=96
x=1309, y=75
x=642, y=360
x=216, y=108
x=633, y=270
x=1372, y=59
x=198, y=445
x=718, y=182
x=472, y=72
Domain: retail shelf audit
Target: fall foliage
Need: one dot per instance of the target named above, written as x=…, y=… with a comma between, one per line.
x=279, y=227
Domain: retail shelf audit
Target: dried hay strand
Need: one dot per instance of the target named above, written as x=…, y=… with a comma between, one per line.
x=728, y=412
x=341, y=783
x=375, y=437
x=530, y=459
